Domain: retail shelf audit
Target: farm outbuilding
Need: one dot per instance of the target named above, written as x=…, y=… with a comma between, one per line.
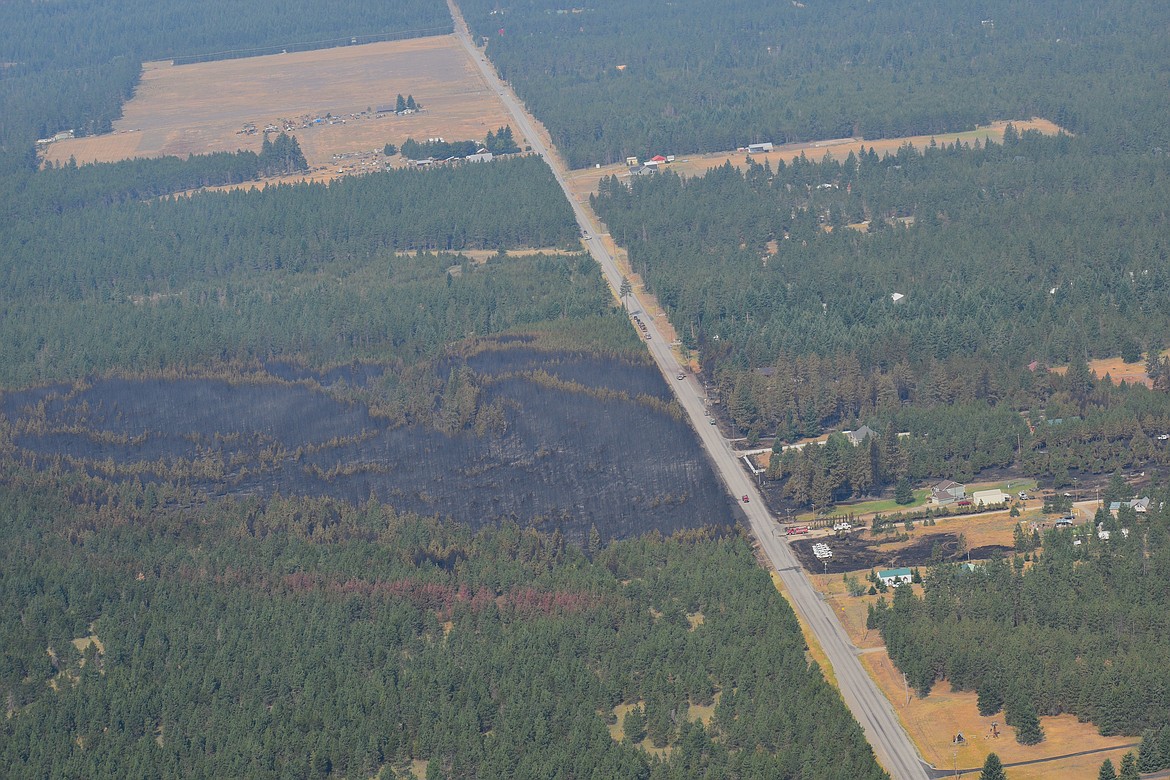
x=989, y=497
x=766, y=146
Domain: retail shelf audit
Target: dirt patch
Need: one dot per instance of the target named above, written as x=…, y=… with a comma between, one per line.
x=200, y=108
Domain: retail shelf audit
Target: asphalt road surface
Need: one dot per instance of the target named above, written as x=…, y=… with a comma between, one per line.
x=873, y=711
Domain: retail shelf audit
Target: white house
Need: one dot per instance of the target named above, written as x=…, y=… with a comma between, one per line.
x=946, y=492
x=758, y=148
x=895, y=577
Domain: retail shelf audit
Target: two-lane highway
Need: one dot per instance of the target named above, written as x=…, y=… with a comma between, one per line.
x=891, y=745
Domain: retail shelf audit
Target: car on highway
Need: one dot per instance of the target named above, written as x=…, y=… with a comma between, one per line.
x=746, y=499
x=711, y=420
x=680, y=377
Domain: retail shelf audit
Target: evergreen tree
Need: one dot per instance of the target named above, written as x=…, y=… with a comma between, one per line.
x=625, y=290
x=399, y=104
x=634, y=725
x=1131, y=351
x=1020, y=713
x=1149, y=752
x=501, y=142
x=903, y=493
x=992, y=769
x=1129, y=767
x=1107, y=771
x=593, y=544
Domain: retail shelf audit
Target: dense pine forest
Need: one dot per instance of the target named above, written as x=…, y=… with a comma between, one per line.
x=311, y=638
x=641, y=78
x=922, y=292
x=97, y=280
x=1077, y=627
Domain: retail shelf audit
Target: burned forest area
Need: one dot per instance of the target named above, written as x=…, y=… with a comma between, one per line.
x=564, y=441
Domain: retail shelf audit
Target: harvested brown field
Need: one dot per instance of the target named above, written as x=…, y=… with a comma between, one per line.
x=584, y=181
x=201, y=108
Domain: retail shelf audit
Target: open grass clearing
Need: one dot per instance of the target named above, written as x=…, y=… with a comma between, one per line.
x=933, y=722
x=1117, y=370
x=198, y=109
x=695, y=712
x=82, y=644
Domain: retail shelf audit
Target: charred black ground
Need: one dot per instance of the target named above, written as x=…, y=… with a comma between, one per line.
x=853, y=553
x=598, y=444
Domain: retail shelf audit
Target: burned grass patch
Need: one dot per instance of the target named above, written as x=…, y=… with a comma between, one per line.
x=855, y=553
x=562, y=441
